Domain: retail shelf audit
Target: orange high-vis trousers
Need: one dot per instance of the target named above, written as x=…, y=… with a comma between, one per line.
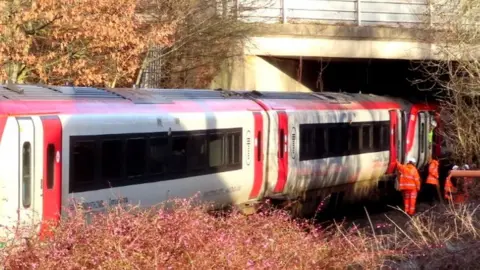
x=409, y=201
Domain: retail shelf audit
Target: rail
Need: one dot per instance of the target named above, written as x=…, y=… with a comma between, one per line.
x=401, y=13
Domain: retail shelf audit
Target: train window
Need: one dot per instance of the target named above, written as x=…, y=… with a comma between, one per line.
x=157, y=158
x=366, y=138
x=332, y=134
x=215, y=150
x=178, y=161
x=50, y=165
x=338, y=140
x=229, y=149
x=196, y=153
x=345, y=137
x=112, y=159
x=307, y=142
x=27, y=174
x=333, y=140
x=377, y=137
x=386, y=136
x=237, y=148
x=232, y=148
x=422, y=137
x=136, y=157
x=82, y=170
x=354, y=140
x=319, y=143
x=157, y=151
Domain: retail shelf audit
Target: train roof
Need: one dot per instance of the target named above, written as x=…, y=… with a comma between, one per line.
x=320, y=100
x=38, y=99
x=136, y=96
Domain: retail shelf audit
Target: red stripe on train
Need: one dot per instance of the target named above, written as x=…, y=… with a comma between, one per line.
x=52, y=171
x=82, y=107
x=73, y=107
x=3, y=123
x=257, y=156
x=282, y=151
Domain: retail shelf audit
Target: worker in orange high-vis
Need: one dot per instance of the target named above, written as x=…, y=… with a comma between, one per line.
x=449, y=188
x=432, y=190
x=461, y=186
x=409, y=184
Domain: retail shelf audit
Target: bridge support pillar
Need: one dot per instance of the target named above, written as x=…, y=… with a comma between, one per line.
x=252, y=72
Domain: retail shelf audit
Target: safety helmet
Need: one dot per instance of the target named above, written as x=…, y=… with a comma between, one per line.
x=455, y=167
x=466, y=167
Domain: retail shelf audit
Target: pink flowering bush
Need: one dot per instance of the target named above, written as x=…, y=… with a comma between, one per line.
x=189, y=237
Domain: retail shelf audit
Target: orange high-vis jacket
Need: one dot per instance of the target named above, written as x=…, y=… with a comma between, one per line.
x=449, y=186
x=409, y=177
x=433, y=173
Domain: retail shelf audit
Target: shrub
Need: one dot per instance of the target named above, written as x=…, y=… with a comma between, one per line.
x=189, y=237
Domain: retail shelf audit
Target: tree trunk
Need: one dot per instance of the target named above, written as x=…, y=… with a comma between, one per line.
x=114, y=82
x=12, y=72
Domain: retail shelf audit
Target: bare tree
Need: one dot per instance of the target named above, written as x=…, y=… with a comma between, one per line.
x=208, y=34
x=455, y=31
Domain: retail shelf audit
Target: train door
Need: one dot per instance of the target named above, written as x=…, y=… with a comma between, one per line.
x=28, y=187
x=52, y=168
x=258, y=156
x=396, y=142
x=423, y=130
x=282, y=151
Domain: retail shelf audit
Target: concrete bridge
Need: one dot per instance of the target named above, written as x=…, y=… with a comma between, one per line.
x=316, y=29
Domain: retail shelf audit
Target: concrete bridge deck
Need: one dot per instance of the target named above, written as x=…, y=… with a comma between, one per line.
x=316, y=29
x=391, y=29
x=289, y=40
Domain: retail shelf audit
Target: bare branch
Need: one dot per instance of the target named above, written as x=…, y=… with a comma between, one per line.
x=208, y=34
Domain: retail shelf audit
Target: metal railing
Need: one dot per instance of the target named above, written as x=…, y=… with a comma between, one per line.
x=349, y=12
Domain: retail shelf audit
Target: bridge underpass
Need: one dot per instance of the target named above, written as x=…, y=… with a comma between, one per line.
x=356, y=45
x=375, y=76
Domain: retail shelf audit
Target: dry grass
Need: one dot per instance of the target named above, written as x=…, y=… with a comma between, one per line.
x=446, y=238
x=188, y=237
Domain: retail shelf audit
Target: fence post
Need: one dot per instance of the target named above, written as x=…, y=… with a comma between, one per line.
x=359, y=12
x=284, y=11
x=430, y=13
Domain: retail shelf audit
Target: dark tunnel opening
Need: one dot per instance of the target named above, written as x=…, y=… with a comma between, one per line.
x=384, y=77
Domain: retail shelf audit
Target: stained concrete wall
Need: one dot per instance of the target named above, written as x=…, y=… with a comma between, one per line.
x=314, y=41
x=345, y=41
x=255, y=73
x=344, y=48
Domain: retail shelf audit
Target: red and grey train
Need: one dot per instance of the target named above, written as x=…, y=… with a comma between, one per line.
x=61, y=144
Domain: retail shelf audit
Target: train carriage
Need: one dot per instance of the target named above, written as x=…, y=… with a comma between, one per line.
x=99, y=147
x=64, y=145
x=320, y=142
